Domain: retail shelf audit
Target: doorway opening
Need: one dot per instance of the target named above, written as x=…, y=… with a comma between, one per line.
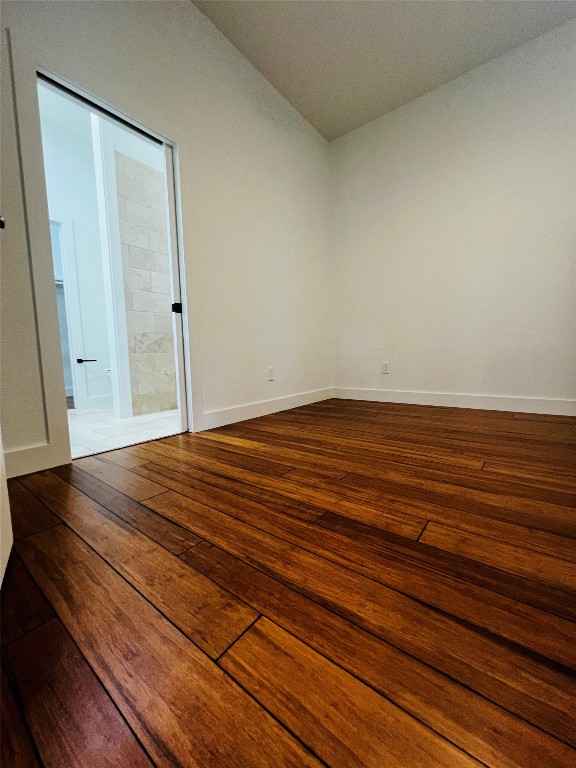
x=114, y=247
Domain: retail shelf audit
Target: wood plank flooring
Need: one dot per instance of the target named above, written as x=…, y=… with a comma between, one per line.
x=343, y=584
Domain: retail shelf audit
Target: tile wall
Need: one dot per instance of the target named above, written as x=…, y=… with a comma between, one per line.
x=147, y=285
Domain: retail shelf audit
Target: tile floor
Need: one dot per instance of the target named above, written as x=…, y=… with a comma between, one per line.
x=94, y=431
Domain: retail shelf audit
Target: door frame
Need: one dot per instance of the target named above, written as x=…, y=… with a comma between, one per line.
x=179, y=320
x=54, y=448
x=101, y=118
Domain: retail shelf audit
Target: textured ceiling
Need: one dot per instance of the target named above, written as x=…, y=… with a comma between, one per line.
x=342, y=63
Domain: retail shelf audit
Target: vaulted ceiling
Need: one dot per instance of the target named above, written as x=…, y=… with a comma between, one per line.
x=342, y=63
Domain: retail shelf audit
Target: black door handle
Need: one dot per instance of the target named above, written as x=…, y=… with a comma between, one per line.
x=79, y=360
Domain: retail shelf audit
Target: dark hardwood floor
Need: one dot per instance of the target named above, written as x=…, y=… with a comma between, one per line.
x=343, y=584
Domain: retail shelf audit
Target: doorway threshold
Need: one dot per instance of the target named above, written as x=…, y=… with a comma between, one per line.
x=96, y=430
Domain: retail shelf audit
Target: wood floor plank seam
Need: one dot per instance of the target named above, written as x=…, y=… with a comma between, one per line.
x=552, y=599
x=380, y=463
x=563, y=547
x=566, y=578
x=75, y=477
x=111, y=698
x=189, y=548
x=422, y=531
x=401, y=444
x=547, y=663
x=374, y=494
x=23, y=605
x=449, y=488
x=272, y=715
x=290, y=489
x=259, y=463
x=318, y=521
x=140, y=593
x=472, y=450
x=28, y=631
x=364, y=683
x=213, y=686
x=227, y=477
x=15, y=489
x=92, y=465
x=15, y=693
x=100, y=683
x=479, y=427
x=300, y=446
x=527, y=544
x=387, y=643
x=445, y=501
x=461, y=475
x=377, y=487
x=248, y=628
x=385, y=584
x=282, y=503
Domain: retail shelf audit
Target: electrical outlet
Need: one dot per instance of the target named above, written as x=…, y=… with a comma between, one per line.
x=385, y=367
x=270, y=374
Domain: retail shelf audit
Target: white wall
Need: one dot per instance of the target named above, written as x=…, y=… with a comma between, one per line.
x=454, y=234
x=255, y=206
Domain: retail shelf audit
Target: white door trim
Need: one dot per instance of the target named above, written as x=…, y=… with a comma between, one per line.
x=179, y=321
x=55, y=448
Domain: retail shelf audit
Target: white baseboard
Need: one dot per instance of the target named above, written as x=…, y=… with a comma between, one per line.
x=220, y=418
x=555, y=407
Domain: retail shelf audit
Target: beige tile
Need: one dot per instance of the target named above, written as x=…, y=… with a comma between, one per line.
x=161, y=363
x=122, y=208
x=153, y=342
x=143, y=301
x=130, y=189
x=139, y=279
x=145, y=217
x=157, y=242
x=133, y=169
x=155, y=405
x=160, y=283
x=140, y=322
x=156, y=383
x=125, y=253
x=156, y=200
x=130, y=234
x=145, y=259
x=163, y=323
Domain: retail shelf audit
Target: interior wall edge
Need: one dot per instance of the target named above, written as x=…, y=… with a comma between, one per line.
x=552, y=406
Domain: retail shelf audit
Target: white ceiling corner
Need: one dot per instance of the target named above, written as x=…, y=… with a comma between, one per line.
x=342, y=63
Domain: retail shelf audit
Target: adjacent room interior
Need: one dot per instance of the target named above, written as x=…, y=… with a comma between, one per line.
x=109, y=229
x=288, y=383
